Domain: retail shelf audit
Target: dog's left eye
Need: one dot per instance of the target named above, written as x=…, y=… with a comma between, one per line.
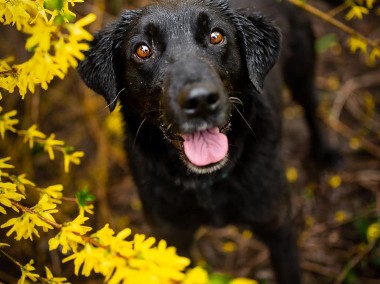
x=216, y=37
x=143, y=51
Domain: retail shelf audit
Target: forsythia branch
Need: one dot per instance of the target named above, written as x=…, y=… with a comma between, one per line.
x=31, y=136
x=357, y=39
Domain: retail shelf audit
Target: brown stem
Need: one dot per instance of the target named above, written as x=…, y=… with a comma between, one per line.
x=346, y=132
x=337, y=10
x=11, y=258
x=31, y=211
x=353, y=262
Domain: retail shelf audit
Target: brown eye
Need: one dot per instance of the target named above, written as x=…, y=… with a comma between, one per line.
x=216, y=37
x=143, y=51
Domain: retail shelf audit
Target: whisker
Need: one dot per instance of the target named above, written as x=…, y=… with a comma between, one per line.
x=115, y=99
x=137, y=133
x=246, y=122
x=235, y=100
x=169, y=126
x=153, y=111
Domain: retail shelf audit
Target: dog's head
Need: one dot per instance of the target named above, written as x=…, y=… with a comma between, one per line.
x=180, y=65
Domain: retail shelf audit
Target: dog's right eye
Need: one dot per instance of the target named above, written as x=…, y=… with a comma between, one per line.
x=143, y=51
x=216, y=37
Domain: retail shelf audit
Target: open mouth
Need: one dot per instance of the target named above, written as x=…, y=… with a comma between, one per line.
x=203, y=151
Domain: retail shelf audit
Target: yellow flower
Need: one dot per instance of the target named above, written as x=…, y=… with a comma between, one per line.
x=197, y=275
x=356, y=44
x=54, y=192
x=373, y=232
x=141, y=243
x=7, y=122
x=291, y=174
x=22, y=226
x=87, y=208
x=355, y=143
x=247, y=234
x=71, y=158
x=243, y=281
x=70, y=235
x=8, y=193
x=341, y=216
x=45, y=208
x=356, y=12
x=50, y=143
x=14, y=13
x=370, y=103
x=31, y=134
x=21, y=182
x=229, y=247
x=40, y=39
x=335, y=181
x=114, y=123
x=26, y=272
x=105, y=236
x=369, y=3
x=76, y=30
x=54, y=280
x=171, y=264
x=309, y=221
x=4, y=165
x=373, y=56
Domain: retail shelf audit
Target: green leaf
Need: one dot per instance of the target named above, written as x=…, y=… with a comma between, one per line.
x=361, y=225
x=59, y=20
x=70, y=17
x=84, y=196
x=218, y=278
x=53, y=5
x=351, y=277
x=325, y=42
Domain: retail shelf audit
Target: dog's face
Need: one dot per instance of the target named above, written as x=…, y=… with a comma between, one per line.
x=180, y=65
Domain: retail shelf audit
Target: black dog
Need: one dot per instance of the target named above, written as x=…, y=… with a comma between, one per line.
x=203, y=128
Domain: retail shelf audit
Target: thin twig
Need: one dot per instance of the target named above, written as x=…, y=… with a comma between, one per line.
x=349, y=88
x=319, y=269
x=354, y=262
x=348, y=133
x=11, y=258
x=337, y=10
x=31, y=211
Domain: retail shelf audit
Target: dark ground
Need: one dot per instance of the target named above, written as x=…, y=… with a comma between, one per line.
x=332, y=218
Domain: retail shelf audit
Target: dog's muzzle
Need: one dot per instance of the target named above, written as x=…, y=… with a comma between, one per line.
x=198, y=109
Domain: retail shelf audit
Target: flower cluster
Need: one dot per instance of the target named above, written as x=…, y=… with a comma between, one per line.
x=120, y=258
x=122, y=261
x=12, y=191
x=32, y=136
x=54, y=41
x=357, y=10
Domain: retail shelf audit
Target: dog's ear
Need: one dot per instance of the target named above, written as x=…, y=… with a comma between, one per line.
x=102, y=67
x=261, y=42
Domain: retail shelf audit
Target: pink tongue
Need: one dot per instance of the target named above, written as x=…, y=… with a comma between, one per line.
x=205, y=147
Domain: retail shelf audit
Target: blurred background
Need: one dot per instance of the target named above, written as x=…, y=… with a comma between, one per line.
x=333, y=210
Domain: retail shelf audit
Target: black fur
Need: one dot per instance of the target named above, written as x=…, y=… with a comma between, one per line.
x=249, y=188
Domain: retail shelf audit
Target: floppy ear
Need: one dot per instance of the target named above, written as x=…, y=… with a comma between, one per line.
x=261, y=42
x=102, y=67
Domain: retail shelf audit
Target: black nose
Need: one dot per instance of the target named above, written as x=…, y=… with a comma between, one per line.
x=199, y=100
